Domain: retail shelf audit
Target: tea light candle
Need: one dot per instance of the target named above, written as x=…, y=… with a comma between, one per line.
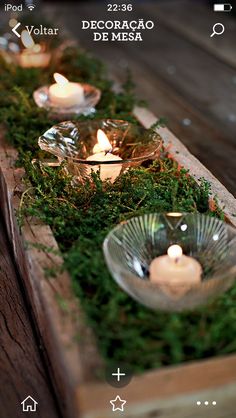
x=64, y=93
x=33, y=55
x=102, y=152
x=175, y=269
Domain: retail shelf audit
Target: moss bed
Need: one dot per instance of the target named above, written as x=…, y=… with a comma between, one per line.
x=80, y=219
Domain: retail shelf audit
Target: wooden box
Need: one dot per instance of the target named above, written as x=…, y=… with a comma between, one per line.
x=169, y=392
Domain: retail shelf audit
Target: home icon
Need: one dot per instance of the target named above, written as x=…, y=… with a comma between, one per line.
x=29, y=404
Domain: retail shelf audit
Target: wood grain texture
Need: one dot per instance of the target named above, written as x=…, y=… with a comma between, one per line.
x=201, y=137
x=71, y=364
x=206, y=82
x=58, y=325
x=179, y=78
x=200, y=78
x=170, y=392
x=182, y=17
x=188, y=161
x=22, y=371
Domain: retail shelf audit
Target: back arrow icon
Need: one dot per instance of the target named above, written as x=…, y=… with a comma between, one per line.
x=14, y=30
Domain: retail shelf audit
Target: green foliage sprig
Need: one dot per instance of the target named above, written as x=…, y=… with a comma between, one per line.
x=81, y=217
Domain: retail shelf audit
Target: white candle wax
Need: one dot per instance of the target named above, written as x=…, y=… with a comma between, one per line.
x=107, y=171
x=102, y=153
x=34, y=55
x=175, y=272
x=64, y=93
x=31, y=59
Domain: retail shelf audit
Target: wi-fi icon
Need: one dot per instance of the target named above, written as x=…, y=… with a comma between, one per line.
x=31, y=7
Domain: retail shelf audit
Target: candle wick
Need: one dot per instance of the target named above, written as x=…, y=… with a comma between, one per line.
x=109, y=151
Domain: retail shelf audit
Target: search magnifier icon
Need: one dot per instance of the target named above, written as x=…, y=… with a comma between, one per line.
x=218, y=29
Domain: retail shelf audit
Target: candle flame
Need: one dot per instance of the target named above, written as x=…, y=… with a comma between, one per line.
x=60, y=79
x=12, y=22
x=103, y=143
x=175, y=252
x=27, y=39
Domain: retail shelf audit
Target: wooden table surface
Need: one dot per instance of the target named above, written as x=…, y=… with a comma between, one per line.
x=182, y=73
x=22, y=369
x=186, y=77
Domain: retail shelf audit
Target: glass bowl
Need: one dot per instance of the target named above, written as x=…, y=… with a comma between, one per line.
x=92, y=96
x=131, y=246
x=74, y=142
x=13, y=52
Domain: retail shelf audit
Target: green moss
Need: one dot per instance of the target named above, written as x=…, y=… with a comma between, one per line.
x=81, y=217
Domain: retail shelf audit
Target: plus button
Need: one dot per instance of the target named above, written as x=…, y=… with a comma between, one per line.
x=118, y=374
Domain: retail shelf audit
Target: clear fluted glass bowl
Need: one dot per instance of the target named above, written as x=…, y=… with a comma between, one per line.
x=92, y=96
x=131, y=246
x=73, y=142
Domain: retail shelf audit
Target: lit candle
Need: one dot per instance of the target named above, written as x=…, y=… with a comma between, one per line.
x=64, y=93
x=33, y=54
x=102, y=152
x=175, y=272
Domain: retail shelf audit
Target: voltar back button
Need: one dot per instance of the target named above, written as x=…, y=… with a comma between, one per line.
x=119, y=375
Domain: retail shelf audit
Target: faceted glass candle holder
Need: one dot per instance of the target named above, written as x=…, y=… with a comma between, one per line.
x=74, y=142
x=92, y=96
x=131, y=247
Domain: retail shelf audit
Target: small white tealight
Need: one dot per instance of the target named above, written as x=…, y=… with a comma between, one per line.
x=179, y=272
x=64, y=93
x=34, y=55
x=102, y=152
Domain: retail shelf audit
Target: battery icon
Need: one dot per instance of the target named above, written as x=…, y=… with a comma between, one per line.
x=226, y=7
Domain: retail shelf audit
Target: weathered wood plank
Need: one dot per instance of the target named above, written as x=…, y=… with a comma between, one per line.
x=164, y=49
x=202, y=138
x=22, y=371
x=213, y=96
x=188, y=161
x=170, y=392
x=209, y=140
x=58, y=328
x=195, y=20
x=69, y=375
